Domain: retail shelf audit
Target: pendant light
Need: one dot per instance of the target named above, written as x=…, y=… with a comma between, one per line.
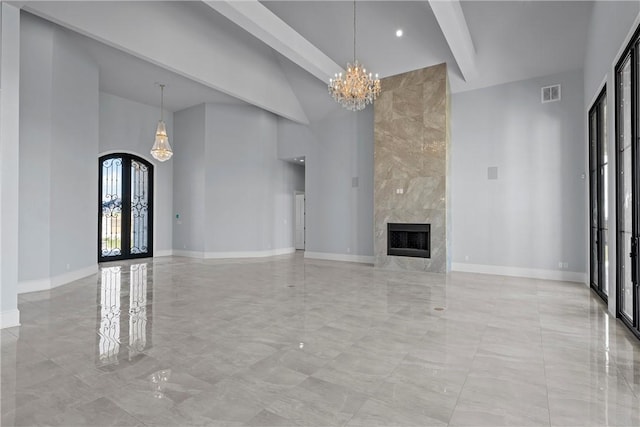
x=161, y=149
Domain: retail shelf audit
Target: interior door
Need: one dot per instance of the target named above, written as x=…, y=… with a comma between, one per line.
x=300, y=221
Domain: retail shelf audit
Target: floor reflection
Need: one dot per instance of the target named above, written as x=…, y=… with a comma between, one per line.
x=159, y=381
x=124, y=305
x=293, y=341
x=138, y=308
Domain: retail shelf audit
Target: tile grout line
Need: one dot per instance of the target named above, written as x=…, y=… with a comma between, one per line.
x=544, y=362
x=370, y=396
x=467, y=376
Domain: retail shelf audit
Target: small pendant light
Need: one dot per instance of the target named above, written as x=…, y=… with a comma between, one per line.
x=161, y=149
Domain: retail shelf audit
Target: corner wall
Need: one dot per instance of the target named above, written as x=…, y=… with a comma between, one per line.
x=74, y=180
x=188, y=181
x=232, y=193
x=36, y=93
x=249, y=192
x=338, y=182
x=10, y=27
x=58, y=158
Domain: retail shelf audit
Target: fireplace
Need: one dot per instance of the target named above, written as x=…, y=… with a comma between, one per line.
x=412, y=240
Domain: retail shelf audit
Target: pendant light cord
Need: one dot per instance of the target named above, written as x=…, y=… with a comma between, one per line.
x=161, y=102
x=354, y=31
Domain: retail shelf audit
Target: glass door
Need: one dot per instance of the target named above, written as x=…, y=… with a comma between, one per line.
x=125, y=215
x=599, y=215
x=627, y=188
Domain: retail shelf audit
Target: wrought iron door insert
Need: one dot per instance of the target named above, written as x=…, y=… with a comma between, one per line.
x=125, y=209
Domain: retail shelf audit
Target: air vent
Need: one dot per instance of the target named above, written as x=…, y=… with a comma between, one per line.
x=551, y=93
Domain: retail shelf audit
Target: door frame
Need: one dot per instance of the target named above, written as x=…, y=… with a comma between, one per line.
x=597, y=193
x=295, y=219
x=126, y=207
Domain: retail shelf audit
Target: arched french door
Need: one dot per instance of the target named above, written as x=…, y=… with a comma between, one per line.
x=125, y=207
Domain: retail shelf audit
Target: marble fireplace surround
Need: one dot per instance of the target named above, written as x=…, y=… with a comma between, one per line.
x=411, y=164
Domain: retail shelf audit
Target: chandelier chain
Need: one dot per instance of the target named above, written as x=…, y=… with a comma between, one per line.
x=354, y=30
x=356, y=89
x=162, y=102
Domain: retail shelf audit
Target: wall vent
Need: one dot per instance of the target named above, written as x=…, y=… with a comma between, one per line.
x=551, y=93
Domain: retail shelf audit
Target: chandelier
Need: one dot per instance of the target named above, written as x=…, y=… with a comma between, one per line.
x=357, y=88
x=161, y=149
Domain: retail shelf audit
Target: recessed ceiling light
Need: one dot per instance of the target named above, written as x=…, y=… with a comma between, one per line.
x=399, y=32
x=302, y=160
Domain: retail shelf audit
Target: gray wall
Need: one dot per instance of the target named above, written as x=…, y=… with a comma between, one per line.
x=35, y=148
x=532, y=216
x=128, y=126
x=245, y=202
x=74, y=180
x=294, y=139
x=189, y=179
x=9, y=162
x=339, y=216
x=232, y=192
x=62, y=165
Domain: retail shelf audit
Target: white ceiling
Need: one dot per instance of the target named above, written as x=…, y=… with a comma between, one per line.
x=517, y=40
x=513, y=40
x=329, y=26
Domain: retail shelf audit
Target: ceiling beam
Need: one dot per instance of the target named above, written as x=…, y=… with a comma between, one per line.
x=259, y=21
x=456, y=31
x=181, y=39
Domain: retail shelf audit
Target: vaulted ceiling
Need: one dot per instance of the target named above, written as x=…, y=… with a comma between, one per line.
x=278, y=55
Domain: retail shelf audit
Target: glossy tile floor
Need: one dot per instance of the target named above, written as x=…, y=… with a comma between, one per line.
x=288, y=341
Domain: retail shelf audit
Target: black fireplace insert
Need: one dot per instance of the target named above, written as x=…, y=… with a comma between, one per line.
x=413, y=240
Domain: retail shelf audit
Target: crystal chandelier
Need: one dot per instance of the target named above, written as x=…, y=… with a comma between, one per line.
x=161, y=149
x=356, y=89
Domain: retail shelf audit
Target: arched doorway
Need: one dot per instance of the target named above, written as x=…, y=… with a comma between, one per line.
x=125, y=207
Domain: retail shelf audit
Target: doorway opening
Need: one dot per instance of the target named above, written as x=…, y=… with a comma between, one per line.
x=297, y=175
x=300, y=214
x=125, y=207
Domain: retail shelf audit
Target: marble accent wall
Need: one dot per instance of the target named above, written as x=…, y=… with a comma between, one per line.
x=411, y=164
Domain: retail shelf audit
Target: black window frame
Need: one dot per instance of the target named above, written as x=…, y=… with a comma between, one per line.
x=595, y=164
x=631, y=52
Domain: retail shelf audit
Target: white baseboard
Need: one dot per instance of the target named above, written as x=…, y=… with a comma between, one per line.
x=249, y=254
x=188, y=254
x=164, y=252
x=34, y=285
x=363, y=259
x=9, y=318
x=531, y=273
x=231, y=255
x=55, y=281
